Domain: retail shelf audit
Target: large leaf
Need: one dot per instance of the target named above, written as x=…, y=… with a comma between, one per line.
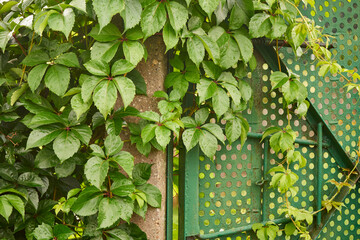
x=178, y=15
x=245, y=46
x=112, y=209
x=126, y=88
x=80, y=107
x=98, y=67
x=66, y=145
x=65, y=169
x=36, y=75
x=62, y=232
x=112, y=7
x=57, y=79
x=43, y=232
x=5, y=36
x=131, y=13
x=113, y=144
x=215, y=130
x=83, y=133
x=141, y=173
x=42, y=136
x=209, y=6
x=195, y=50
x=121, y=66
x=241, y=13
x=63, y=21
x=17, y=203
x=148, y=133
x=105, y=96
x=104, y=50
x=206, y=89
x=35, y=58
x=126, y=161
x=122, y=187
x=88, y=201
x=30, y=179
x=96, y=170
x=45, y=118
x=119, y=234
x=191, y=138
x=211, y=47
x=153, y=18
x=153, y=194
x=162, y=135
x=259, y=25
x=220, y=101
x=88, y=86
x=170, y=37
x=233, y=130
x=208, y=143
x=107, y=34
x=46, y=158
x=133, y=51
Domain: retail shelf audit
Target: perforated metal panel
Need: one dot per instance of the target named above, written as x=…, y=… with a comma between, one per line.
x=231, y=195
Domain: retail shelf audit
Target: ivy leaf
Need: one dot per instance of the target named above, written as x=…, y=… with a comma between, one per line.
x=209, y=6
x=113, y=7
x=206, y=89
x=80, y=107
x=278, y=79
x=141, y=173
x=298, y=34
x=5, y=207
x=259, y=25
x=35, y=58
x=113, y=145
x=42, y=136
x=191, y=138
x=153, y=18
x=68, y=59
x=148, y=133
x=131, y=13
x=178, y=15
x=126, y=88
x=241, y=13
x=170, y=37
x=162, y=135
x=35, y=76
x=229, y=51
x=201, y=116
x=105, y=96
x=63, y=21
x=215, y=130
x=233, y=130
x=5, y=36
x=46, y=158
x=211, y=47
x=96, y=170
x=57, y=79
x=43, y=232
x=133, y=51
x=279, y=27
x=196, y=50
x=109, y=212
x=66, y=145
x=79, y=4
x=153, y=194
x=30, y=179
x=88, y=201
x=107, y=34
x=208, y=143
x=65, y=169
x=17, y=203
x=294, y=90
x=83, y=133
x=138, y=81
x=104, y=50
x=245, y=45
x=150, y=116
x=119, y=234
x=220, y=101
x=122, y=187
x=97, y=67
x=88, y=86
x=62, y=232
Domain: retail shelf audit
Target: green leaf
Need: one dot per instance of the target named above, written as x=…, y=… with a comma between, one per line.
x=245, y=45
x=289, y=229
x=46, y=158
x=57, y=79
x=42, y=136
x=286, y=142
x=241, y=13
x=112, y=209
x=279, y=27
x=211, y=47
x=229, y=51
x=83, y=133
x=233, y=130
x=220, y=101
x=259, y=25
x=121, y=66
x=133, y=51
x=96, y=170
x=35, y=58
x=43, y=232
x=150, y=115
x=30, y=179
x=125, y=160
x=208, y=144
x=44, y=118
x=269, y=131
x=141, y=173
x=201, y=116
x=63, y=21
x=122, y=187
x=119, y=234
x=153, y=194
x=189, y=122
x=66, y=145
x=191, y=137
x=105, y=96
x=5, y=207
x=88, y=86
x=215, y=130
x=97, y=67
x=112, y=7
x=88, y=201
x=278, y=79
x=162, y=135
x=211, y=69
x=126, y=88
x=35, y=76
x=206, y=89
x=170, y=37
x=62, y=232
x=109, y=33
x=139, y=82
x=8, y=172
x=294, y=90
x=153, y=18
x=79, y=4
x=65, y=169
x=131, y=13
x=113, y=145
x=17, y=203
x=104, y=51
x=298, y=34
x=195, y=49
x=178, y=15
x=209, y=6
x=41, y=20
x=80, y=107
x=148, y=133
x=5, y=36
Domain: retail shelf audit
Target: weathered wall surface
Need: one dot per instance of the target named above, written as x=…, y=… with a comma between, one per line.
x=154, y=71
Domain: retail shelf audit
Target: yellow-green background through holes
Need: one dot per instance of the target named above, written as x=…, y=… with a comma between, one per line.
x=228, y=194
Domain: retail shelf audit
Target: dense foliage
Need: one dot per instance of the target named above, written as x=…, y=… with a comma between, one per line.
x=63, y=173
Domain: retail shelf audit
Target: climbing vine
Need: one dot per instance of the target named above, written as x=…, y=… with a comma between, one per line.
x=63, y=67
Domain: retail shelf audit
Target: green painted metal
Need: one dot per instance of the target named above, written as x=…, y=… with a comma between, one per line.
x=169, y=191
x=319, y=173
x=232, y=191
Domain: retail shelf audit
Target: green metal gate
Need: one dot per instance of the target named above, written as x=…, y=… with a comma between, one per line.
x=224, y=197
